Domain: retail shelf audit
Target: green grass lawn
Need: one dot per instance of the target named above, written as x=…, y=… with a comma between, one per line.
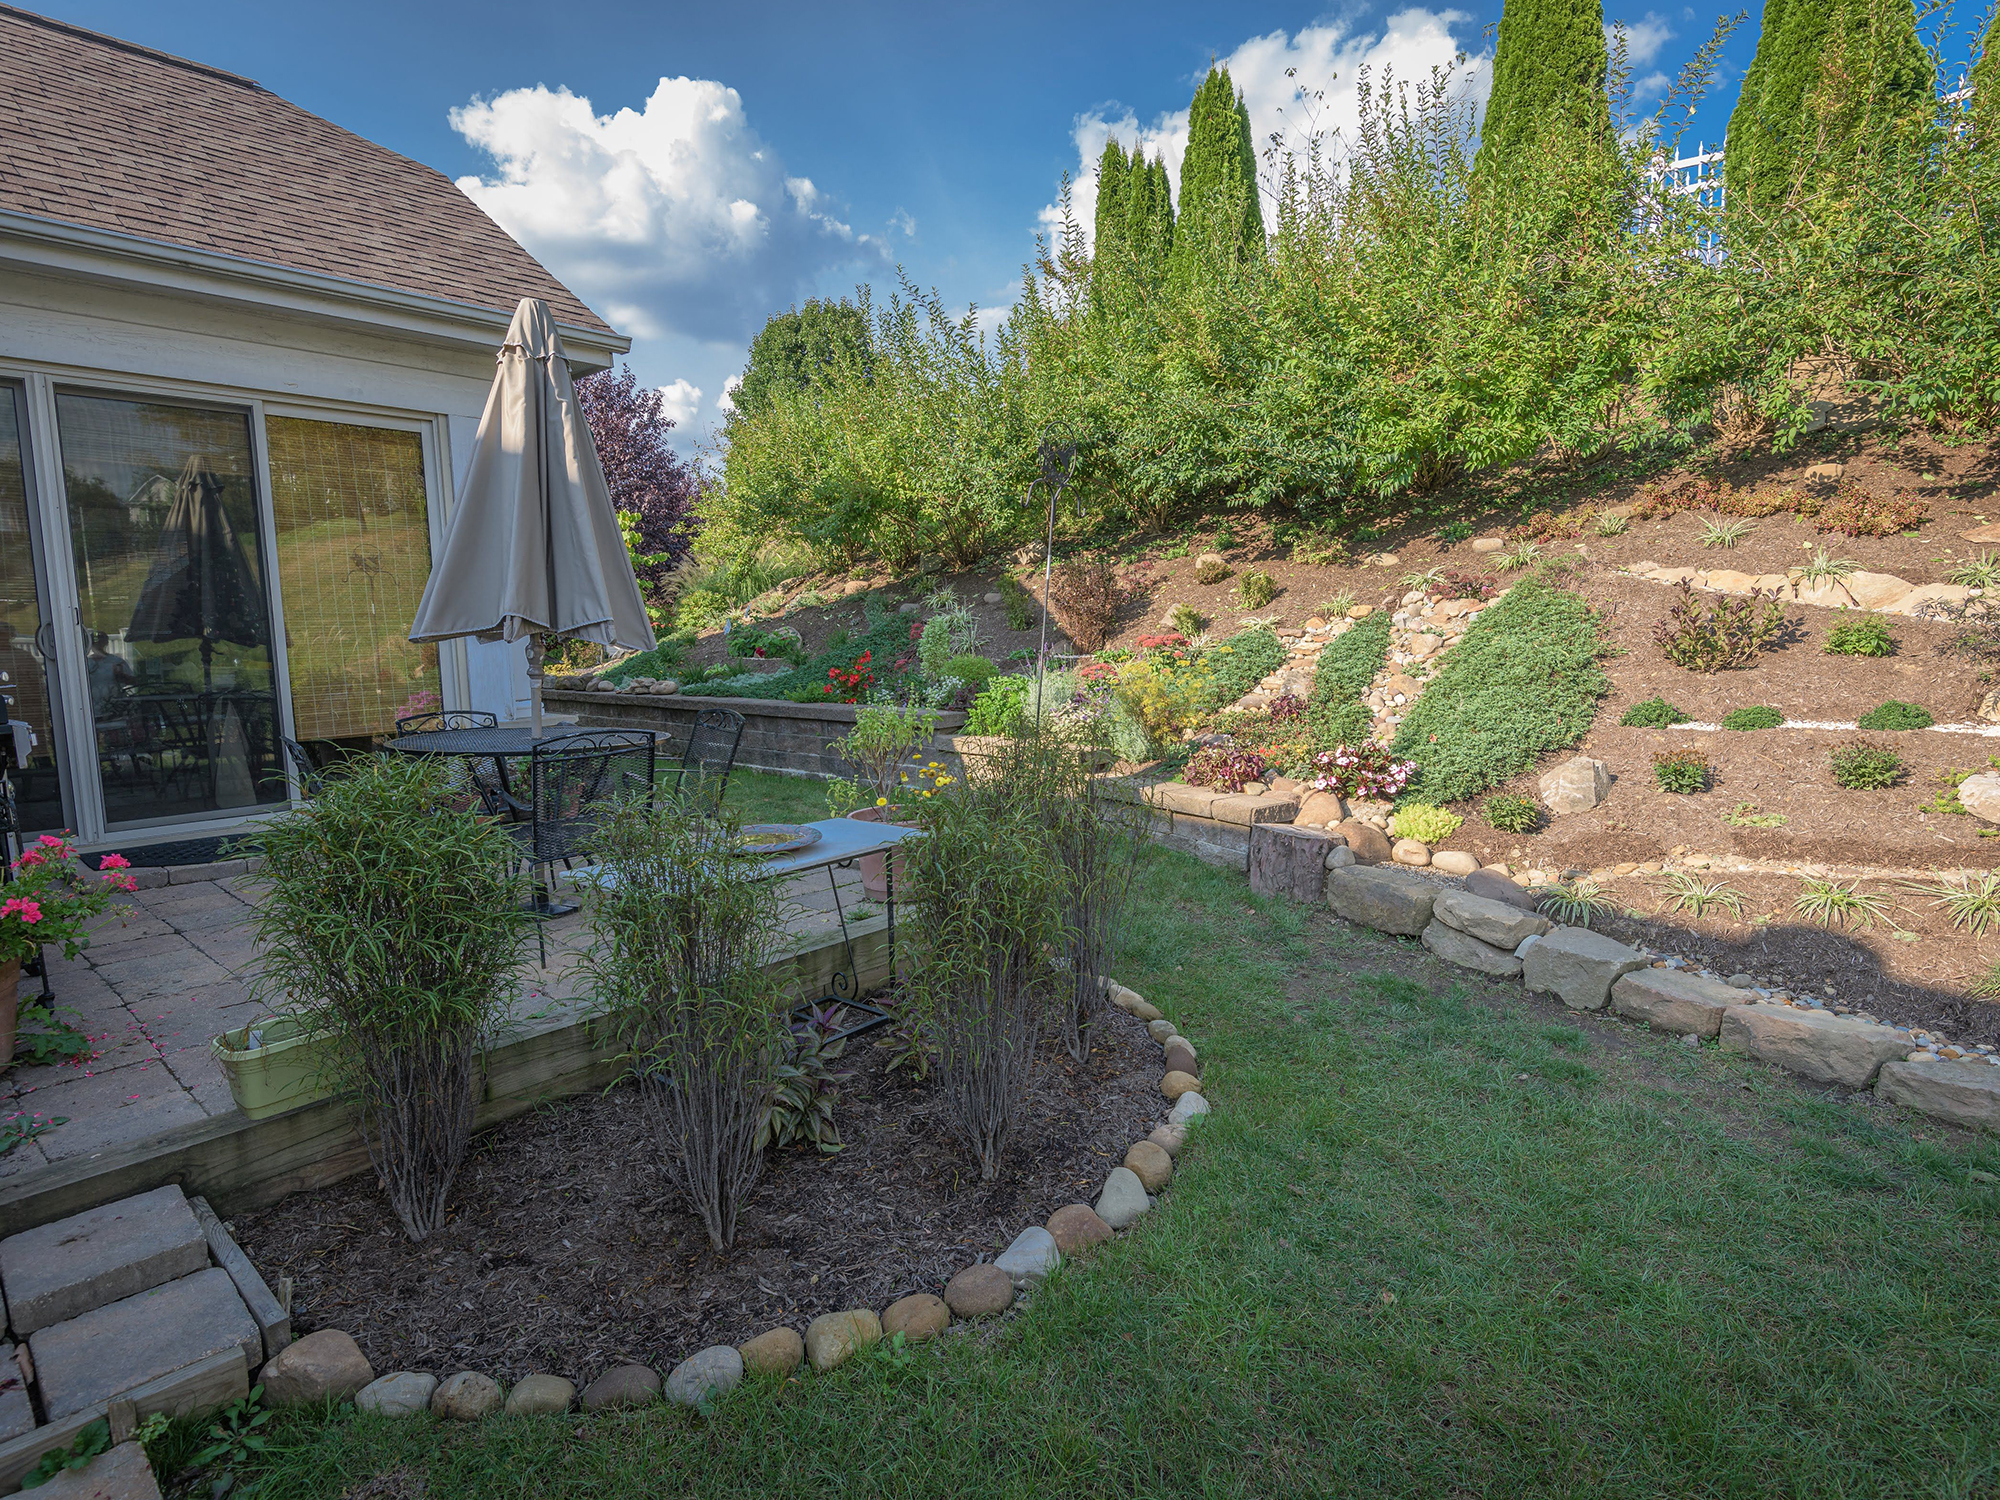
x=761, y=797
x=1437, y=1241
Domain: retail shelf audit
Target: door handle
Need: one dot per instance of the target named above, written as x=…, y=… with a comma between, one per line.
x=45, y=640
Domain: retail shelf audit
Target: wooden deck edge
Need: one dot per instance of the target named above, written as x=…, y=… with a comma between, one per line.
x=240, y=1164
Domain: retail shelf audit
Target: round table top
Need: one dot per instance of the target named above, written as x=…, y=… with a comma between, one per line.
x=502, y=739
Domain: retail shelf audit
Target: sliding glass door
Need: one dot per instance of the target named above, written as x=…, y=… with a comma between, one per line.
x=173, y=608
x=25, y=635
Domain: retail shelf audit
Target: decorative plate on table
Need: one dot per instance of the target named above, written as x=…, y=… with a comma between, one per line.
x=778, y=838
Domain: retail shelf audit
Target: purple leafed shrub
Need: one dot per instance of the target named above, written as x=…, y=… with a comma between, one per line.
x=647, y=478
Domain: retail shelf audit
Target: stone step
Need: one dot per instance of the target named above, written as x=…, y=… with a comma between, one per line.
x=100, y=1256
x=109, y=1350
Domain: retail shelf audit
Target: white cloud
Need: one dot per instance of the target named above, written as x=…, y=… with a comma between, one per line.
x=903, y=224
x=680, y=401
x=730, y=387
x=1643, y=40
x=676, y=218
x=1295, y=87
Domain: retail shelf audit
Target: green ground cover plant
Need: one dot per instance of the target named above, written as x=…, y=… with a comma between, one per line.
x=1760, y=716
x=1898, y=715
x=1315, y=1324
x=1524, y=680
x=1654, y=713
x=1335, y=714
x=1511, y=813
x=1864, y=767
x=1424, y=822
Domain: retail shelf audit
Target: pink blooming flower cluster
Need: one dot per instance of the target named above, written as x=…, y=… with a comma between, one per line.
x=1362, y=771
x=27, y=911
x=50, y=901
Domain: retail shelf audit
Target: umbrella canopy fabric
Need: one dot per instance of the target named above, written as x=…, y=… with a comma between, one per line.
x=534, y=547
x=202, y=584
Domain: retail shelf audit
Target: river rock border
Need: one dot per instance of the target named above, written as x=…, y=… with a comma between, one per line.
x=1502, y=935
x=329, y=1365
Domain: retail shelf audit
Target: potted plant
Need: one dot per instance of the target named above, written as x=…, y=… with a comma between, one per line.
x=47, y=902
x=885, y=736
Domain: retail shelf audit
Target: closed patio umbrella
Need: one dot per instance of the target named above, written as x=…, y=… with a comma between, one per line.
x=533, y=548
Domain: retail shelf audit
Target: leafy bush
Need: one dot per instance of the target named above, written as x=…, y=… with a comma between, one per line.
x=663, y=660
x=999, y=708
x=1425, y=822
x=1335, y=715
x=883, y=641
x=1085, y=596
x=1863, y=767
x=1241, y=662
x=1682, y=771
x=685, y=924
x=1728, y=634
x=1224, y=768
x=1867, y=636
x=393, y=923
x=1523, y=680
x=1018, y=603
x=974, y=671
x=1896, y=714
x=1511, y=813
x=1853, y=512
x=783, y=644
x=1257, y=588
x=1762, y=716
x=883, y=739
x=804, y=1088
x=1364, y=770
x=1210, y=568
x=1654, y=713
x=1187, y=621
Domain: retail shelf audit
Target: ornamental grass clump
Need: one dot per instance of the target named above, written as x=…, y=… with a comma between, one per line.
x=393, y=923
x=684, y=928
x=985, y=906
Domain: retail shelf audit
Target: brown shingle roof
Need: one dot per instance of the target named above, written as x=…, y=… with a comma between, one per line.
x=113, y=136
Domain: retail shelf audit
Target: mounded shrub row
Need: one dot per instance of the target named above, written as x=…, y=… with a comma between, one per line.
x=1523, y=681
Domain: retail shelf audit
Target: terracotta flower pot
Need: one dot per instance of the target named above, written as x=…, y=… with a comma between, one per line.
x=10, y=1008
x=875, y=867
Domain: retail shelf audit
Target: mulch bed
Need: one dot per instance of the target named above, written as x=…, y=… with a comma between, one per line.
x=567, y=1252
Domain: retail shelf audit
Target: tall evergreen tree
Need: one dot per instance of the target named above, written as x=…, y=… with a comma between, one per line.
x=1742, y=154
x=1115, y=183
x=1218, y=200
x=1149, y=214
x=1833, y=72
x=1550, y=61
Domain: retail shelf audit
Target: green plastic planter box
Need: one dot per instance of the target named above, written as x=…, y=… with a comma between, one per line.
x=290, y=1068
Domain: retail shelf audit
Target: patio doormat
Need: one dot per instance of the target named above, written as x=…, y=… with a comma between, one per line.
x=179, y=852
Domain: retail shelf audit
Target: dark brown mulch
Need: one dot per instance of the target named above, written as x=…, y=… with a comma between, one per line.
x=567, y=1252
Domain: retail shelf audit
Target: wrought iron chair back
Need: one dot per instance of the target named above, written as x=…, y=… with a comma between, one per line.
x=304, y=772
x=710, y=754
x=570, y=779
x=485, y=775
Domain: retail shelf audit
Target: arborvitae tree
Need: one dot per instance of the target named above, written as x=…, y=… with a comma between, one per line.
x=1550, y=61
x=1984, y=80
x=1149, y=214
x=1115, y=182
x=1833, y=73
x=1743, y=154
x=1218, y=200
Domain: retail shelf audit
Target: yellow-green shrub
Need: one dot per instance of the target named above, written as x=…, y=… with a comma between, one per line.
x=1425, y=822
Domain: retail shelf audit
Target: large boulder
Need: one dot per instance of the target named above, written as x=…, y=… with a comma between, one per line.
x=1466, y=951
x=1369, y=845
x=1387, y=899
x=1814, y=1043
x=1669, y=1000
x=322, y=1366
x=1493, y=886
x=1321, y=810
x=1577, y=785
x=1980, y=795
x=1578, y=966
x=1502, y=924
x=1965, y=1093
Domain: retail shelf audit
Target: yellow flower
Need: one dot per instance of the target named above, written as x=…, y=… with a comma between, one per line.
x=881, y=801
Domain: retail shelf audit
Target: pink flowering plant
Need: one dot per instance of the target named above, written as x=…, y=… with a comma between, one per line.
x=1367, y=771
x=50, y=898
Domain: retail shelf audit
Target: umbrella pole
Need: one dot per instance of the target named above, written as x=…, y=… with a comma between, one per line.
x=535, y=686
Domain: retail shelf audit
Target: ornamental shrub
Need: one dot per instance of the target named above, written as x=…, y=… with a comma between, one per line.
x=1682, y=771
x=1654, y=713
x=1762, y=716
x=1257, y=588
x=1425, y=822
x=1864, y=767
x=1511, y=813
x=972, y=670
x=1896, y=714
x=1727, y=634
x=1854, y=512
x=1224, y=767
x=999, y=707
x=1867, y=636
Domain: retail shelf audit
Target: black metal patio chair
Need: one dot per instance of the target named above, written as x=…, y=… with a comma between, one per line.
x=710, y=754
x=486, y=775
x=570, y=780
x=304, y=772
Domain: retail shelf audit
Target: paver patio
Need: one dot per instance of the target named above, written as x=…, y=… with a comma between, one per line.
x=171, y=967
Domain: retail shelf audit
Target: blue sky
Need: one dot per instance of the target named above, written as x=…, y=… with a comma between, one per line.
x=783, y=150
